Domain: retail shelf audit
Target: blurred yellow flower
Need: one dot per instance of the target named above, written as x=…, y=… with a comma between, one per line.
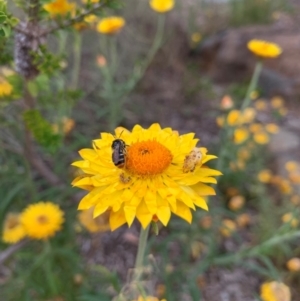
x=42, y=220
x=151, y=184
x=98, y=224
x=295, y=199
x=294, y=177
x=285, y=186
x=206, y=222
x=261, y=137
x=66, y=125
x=233, y=117
x=260, y=105
x=232, y=191
x=243, y=154
x=148, y=298
x=272, y=128
x=220, y=121
x=265, y=176
x=277, y=102
x=162, y=6
x=226, y=102
x=91, y=1
x=291, y=166
x=91, y=19
x=293, y=264
x=228, y=227
x=111, y=25
x=275, y=291
x=5, y=88
x=289, y=218
x=236, y=202
x=240, y=135
x=196, y=37
x=59, y=7
x=248, y=115
x=264, y=49
x=255, y=127
x=13, y=230
x=243, y=220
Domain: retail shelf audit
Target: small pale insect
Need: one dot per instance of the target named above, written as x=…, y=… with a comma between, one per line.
x=119, y=153
x=191, y=160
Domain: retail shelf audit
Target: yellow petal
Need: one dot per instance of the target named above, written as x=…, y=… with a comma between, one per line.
x=129, y=214
x=184, y=212
x=143, y=214
x=116, y=219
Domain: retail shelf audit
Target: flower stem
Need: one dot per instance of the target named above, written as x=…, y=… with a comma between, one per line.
x=77, y=59
x=253, y=84
x=141, y=251
x=48, y=270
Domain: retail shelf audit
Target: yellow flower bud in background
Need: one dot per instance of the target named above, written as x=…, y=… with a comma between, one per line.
x=293, y=264
x=228, y=227
x=240, y=135
x=243, y=220
x=288, y=218
x=264, y=49
x=110, y=25
x=162, y=6
x=236, y=202
x=264, y=176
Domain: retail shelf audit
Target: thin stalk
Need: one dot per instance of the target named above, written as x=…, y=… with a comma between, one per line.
x=229, y=130
x=77, y=59
x=252, y=85
x=141, y=251
x=48, y=269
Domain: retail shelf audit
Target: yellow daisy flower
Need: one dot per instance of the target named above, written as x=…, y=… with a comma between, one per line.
x=275, y=291
x=59, y=7
x=110, y=25
x=93, y=225
x=240, y=135
x=13, y=230
x=162, y=6
x=264, y=49
x=5, y=88
x=42, y=220
x=163, y=173
x=261, y=137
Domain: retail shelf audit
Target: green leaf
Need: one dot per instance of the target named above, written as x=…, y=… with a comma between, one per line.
x=7, y=30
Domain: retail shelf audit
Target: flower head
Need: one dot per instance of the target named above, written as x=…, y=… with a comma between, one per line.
x=13, y=230
x=264, y=49
x=162, y=6
x=5, y=88
x=93, y=225
x=163, y=172
x=111, y=25
x=42, y=220
x=275, y=291
x=59, y=7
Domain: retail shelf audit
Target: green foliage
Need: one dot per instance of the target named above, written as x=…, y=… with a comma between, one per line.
x=46, y=62
x=42, y=130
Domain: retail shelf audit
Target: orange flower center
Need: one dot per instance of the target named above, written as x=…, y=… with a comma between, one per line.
x=147, y=158
x=42, y=219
